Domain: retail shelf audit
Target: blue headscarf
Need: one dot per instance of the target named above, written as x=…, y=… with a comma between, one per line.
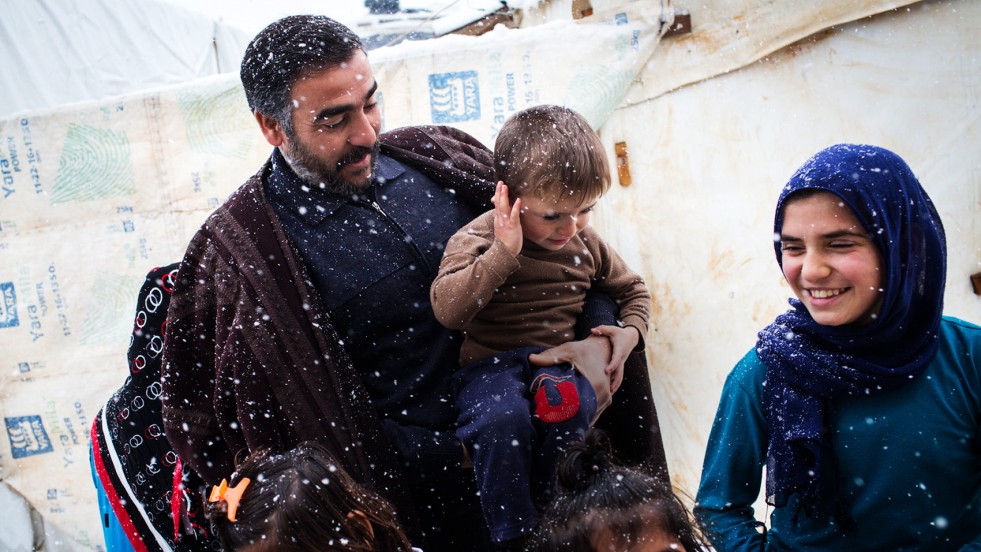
x=809, y=364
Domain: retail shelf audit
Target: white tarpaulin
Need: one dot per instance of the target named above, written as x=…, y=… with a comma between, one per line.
x=94, y=195
x=64, y=51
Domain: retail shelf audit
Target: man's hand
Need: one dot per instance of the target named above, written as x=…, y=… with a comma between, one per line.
x=590, y=356
x=624, y=340
x=507, y=219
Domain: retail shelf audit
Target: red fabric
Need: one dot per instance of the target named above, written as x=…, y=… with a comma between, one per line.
x=550, y=411
x=175, y=499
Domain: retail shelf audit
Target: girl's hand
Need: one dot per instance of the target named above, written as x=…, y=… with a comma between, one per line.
x=507, y=219
x=623, y=340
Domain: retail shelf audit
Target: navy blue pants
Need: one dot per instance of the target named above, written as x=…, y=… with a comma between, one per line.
x=515, y=420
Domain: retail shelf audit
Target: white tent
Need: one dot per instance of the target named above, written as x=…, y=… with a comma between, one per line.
x=713, y=122
x=58, y=52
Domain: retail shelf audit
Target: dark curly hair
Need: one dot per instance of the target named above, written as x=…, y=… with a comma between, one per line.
x=304, y=501
x=596, y=495
x=287, y=50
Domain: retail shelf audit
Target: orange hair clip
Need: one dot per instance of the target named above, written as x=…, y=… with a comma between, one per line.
x=229, y=495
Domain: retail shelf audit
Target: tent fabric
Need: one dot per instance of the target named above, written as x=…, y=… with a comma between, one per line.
x=721, y=44
x=91, y=194
x=58, y=52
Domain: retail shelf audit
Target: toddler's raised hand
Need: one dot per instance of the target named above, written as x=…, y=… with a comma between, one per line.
x=507, y=219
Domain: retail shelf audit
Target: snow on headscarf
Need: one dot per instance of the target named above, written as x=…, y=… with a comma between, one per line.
x=809, y=364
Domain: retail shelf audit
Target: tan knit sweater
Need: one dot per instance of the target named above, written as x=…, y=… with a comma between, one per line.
x=503, y=302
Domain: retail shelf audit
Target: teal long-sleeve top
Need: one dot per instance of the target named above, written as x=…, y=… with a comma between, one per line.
x=907, y=461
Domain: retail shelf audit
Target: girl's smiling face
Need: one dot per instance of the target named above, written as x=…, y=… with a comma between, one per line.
x=830, y=262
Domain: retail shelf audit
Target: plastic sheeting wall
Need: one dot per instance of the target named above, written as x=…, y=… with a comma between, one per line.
x=94, y=195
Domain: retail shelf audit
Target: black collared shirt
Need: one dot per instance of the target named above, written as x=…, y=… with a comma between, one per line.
x=372, y=258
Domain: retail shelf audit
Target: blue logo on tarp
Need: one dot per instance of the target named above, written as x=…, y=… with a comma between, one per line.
x=27, y=436
x=454, y=97
x=8, y=306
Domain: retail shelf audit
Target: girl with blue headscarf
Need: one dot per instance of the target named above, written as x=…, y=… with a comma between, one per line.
x=862, y=402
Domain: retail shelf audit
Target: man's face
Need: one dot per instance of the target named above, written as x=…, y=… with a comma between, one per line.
x=336, y=121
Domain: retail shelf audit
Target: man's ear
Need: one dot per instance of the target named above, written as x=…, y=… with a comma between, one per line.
x=270, y=128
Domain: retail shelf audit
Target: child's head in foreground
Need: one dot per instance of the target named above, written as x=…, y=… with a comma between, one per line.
x=601, y=506
x=301, y=501
x=550, y=158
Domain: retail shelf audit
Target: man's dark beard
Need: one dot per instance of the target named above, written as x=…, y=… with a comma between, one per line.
x=318, y=174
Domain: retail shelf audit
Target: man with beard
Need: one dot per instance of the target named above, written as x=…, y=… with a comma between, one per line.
x=301, y=309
